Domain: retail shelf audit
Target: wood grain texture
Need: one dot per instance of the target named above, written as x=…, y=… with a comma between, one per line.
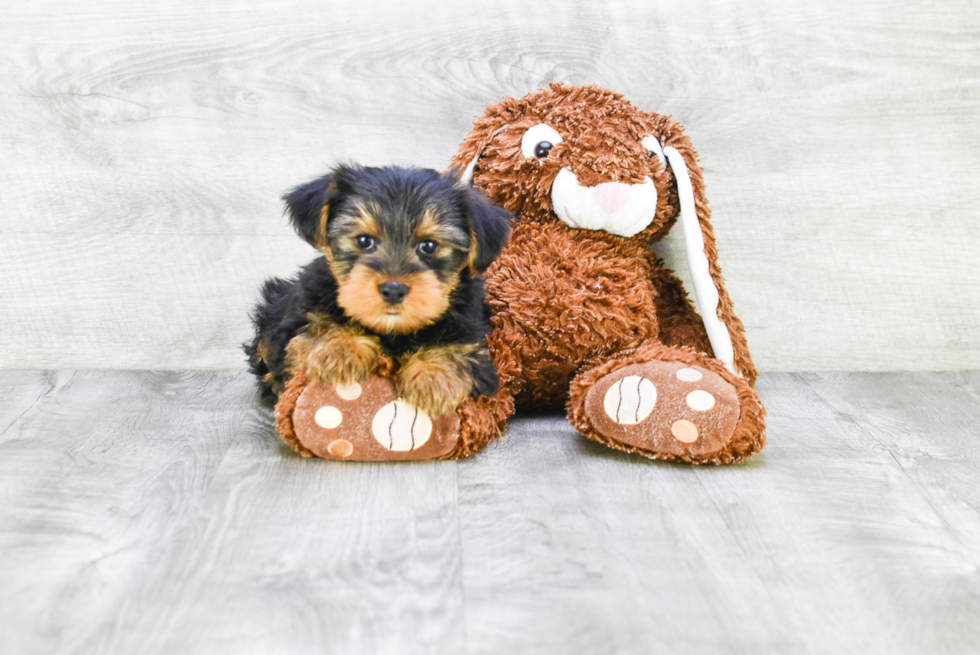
x=143, y=148
x=157, y=512
x=853, y=532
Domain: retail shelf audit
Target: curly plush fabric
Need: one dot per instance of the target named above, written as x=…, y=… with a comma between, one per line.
x=569, y=302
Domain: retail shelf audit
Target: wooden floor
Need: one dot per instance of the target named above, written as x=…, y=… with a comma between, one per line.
x=156, y=512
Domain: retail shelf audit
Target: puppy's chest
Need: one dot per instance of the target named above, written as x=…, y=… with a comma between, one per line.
x=561, y=296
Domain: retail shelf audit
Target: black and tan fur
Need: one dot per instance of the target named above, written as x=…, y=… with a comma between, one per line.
x=415, y=229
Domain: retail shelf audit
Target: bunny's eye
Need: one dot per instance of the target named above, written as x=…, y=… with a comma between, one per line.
x=539, y=140
x=654, y=149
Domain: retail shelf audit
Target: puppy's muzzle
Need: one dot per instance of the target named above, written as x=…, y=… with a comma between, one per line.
x=393, y=291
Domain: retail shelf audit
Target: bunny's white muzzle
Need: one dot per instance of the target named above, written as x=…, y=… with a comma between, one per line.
x=621, y=209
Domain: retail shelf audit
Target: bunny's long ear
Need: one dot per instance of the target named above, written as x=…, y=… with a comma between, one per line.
x=474, y=145
x=725, y=331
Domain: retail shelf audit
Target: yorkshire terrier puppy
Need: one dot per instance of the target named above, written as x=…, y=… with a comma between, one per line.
x=403, y=250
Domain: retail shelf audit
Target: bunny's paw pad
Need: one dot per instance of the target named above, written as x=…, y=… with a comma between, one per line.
x=368, y=422
x=664, y=408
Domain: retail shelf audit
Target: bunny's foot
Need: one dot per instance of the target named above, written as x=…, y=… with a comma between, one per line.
x=668, y=403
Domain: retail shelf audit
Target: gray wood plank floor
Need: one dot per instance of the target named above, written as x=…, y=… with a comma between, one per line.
x=156, y=512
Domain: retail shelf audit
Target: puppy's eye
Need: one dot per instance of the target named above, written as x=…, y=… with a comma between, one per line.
x=538, y=141
x=429, y=247
x=364, y=242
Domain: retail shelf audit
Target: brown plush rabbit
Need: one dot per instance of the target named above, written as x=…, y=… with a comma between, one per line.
x=584, y=315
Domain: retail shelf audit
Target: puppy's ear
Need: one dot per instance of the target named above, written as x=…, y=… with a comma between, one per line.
x=489, y=228
x=308, y=206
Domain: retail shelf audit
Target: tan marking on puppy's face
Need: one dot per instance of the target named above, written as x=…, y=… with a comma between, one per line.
x=366, y=220
x=427, y=300
x=452, y=242
x=341, y=245
x=423, y=248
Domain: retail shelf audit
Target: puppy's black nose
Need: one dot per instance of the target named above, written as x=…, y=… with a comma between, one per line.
x=393, y=291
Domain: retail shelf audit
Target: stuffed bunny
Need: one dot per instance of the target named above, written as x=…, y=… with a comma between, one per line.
x=583, y=314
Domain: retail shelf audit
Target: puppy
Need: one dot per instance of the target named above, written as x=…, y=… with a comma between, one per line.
x=403, y=250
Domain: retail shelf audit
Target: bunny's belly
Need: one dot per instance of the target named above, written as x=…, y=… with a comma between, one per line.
x=560, y=297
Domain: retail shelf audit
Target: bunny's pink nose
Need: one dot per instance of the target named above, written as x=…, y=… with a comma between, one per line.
x=611, y=195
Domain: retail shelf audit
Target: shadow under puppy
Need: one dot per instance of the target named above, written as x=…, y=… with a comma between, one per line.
x=404, y=249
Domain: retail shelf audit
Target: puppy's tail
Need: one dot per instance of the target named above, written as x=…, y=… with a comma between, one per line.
x=263, y=360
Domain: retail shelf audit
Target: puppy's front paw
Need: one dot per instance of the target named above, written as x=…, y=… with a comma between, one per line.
x=337, y=355
x=435, y=380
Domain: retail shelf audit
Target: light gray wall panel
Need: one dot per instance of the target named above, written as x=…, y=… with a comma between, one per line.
x=143, y=148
